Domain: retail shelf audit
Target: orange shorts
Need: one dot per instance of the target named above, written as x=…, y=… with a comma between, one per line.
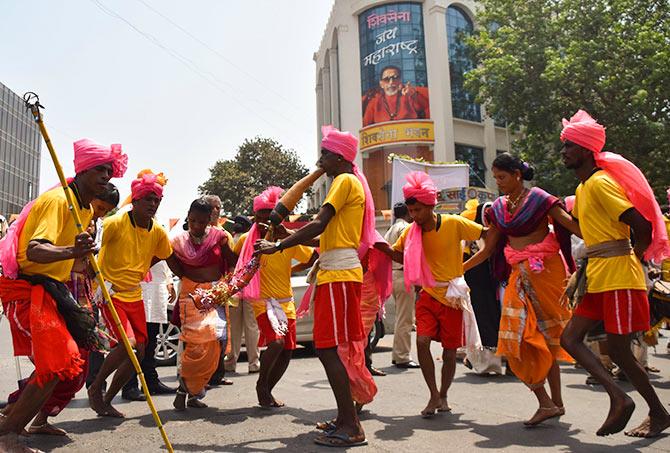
x=268, y=335
x=623, y=311
x=337, y=314
x=133, y=320
x=441, y=323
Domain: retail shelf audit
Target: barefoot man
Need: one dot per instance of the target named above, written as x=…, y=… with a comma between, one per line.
x=612, y=199
x=132, y=242
x=38, y=253
x=271, y=297
x=345, y=224
x=433, y=259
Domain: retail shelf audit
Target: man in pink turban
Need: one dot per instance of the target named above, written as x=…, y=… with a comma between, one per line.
x=269, y=297
x=131, y=243
x=41, y=247
x=612, y=199
x=345, y=226
x=432, y=256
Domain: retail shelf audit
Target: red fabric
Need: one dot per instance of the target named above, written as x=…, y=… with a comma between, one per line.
x=441, y=323
x=268, y=335
x=133, y=320
x=623, y=311
x=63, y=393
x=42, y=333
x=337, y=314
x=361, y=383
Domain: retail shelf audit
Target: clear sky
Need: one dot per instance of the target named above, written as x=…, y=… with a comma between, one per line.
x=180, y=84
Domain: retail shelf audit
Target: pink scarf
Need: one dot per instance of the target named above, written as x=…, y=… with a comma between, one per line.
x=583, y=130
x=9, y=245
x=196, y=255
x=253, y=289
x=416, y=268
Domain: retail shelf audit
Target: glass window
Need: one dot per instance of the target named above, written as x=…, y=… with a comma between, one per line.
x=459, y=26
x=474, y=157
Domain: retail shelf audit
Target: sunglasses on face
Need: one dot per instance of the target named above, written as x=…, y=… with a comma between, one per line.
x=392, y=78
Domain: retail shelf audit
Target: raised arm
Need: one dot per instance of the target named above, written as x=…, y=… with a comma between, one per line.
x=562, y=217
x=303, y=235
x=491, y=237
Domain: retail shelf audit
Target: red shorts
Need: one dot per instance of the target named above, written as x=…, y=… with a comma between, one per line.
x=268, y=335
x=441, y=323
x=337, y=314
x=133, y=320
x=623, y=311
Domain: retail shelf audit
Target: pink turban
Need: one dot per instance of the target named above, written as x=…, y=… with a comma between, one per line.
x=421, y=187
x=268, y=199
x=88, y=154
x=147, y=182
x=584, y=131
x=343, y=143
x=569, y=203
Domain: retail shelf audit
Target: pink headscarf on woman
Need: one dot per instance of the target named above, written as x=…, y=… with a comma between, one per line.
x=416, y=268
x=583, y=130
x=346, y=145
x=87, y=155
x=266, y=200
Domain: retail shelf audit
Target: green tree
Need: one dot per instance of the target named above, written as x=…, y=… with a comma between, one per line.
x=538, y=61
x=259, y=163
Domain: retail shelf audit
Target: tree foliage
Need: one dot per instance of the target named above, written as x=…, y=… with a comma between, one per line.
x=259, y=163
x=538, y=61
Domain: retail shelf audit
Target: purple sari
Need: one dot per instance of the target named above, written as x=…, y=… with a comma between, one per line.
x=523, y=222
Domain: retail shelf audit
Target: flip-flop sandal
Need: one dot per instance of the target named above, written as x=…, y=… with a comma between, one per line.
x=339, y=440
x=425, y=414
x=47, y=429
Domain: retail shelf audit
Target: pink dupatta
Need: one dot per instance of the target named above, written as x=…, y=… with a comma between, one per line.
x=196, y=255
x=253, y=289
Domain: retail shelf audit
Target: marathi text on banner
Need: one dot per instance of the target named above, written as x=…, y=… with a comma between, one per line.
x=397, y=132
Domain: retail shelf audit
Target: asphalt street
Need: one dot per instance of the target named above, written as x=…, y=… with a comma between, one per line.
x=487, y=414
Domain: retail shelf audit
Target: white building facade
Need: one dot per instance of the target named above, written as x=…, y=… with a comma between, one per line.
x=392, y=72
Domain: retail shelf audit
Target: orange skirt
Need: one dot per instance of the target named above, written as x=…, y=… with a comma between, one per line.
x=533, y=319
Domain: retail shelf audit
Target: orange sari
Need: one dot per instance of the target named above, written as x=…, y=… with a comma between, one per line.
x=533, y=319
x=202, y=347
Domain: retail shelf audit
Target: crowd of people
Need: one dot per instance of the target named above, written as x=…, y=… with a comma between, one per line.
x=500, y=281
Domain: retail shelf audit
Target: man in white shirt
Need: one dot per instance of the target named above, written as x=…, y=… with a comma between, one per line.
x=404, y=301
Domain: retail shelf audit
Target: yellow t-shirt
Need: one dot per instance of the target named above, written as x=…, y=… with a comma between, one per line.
x=276, y=275
x=665, y=265
x=346, y=195
x=599, y=202
x=50, y=220
x=443, y=250
x=126, y=254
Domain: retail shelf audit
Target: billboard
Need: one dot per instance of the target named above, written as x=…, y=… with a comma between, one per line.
x=394, y=81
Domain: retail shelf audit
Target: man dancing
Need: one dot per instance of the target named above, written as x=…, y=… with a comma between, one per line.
x=41, y=248
x=131, y=242
x=271, y=298
x=345, y=224
x=430, y=250
x=612, y=199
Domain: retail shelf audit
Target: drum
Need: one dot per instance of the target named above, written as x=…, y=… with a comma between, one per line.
x=659, y=302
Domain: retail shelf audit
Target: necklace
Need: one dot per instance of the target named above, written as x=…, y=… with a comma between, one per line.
x=513, y=203
x=392, y=115
x=197, y=240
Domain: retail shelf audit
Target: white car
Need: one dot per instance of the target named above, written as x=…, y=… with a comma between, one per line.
x=168, y=336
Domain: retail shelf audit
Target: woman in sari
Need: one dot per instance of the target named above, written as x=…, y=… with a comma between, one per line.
x=527, y=253
x=200, y=250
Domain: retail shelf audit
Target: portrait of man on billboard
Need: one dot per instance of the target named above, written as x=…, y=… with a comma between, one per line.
x=394, y=99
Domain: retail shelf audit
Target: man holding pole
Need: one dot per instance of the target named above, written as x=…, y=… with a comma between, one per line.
x=41, y=247
x=345, y=224
x=131, y=243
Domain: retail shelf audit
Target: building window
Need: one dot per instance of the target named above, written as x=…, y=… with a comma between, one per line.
x=459, y=26
x=474, y=157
